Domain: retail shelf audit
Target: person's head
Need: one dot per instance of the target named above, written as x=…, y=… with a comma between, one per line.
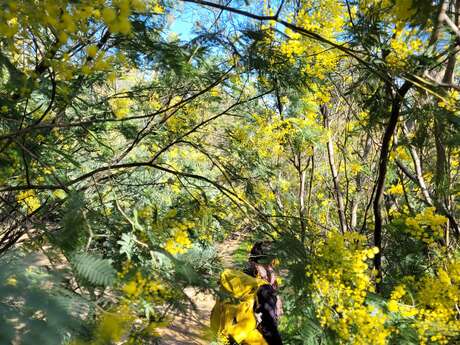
x=261, y=253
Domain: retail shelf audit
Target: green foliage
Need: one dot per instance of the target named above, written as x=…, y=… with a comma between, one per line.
x=302, y=327
x=35, y=306
x=405, y=254
x=205, y=260
x=127, y=244
x=73, y=226
x=129, y=151
x=94, y=270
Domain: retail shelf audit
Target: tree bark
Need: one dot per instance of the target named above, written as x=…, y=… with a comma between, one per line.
x=442, y=178
x=359, y=185
x=335, y=175
x=382, y=171
x=302, y=183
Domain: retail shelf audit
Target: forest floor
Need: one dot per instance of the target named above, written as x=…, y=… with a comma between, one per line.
x=190, y=329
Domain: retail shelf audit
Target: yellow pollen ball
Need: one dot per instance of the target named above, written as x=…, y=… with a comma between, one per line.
x=63, y=37
x=108, y=14
x=91, y=50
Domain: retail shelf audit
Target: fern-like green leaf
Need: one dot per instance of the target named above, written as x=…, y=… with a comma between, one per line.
x=94, y=270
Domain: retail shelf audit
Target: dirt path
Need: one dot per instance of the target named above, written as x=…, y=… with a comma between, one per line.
x=191, y=329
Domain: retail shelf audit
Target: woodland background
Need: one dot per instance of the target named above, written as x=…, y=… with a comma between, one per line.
x=136, y=135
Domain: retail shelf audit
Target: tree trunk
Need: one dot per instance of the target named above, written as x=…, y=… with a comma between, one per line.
x=382, y=171
x=335, y=175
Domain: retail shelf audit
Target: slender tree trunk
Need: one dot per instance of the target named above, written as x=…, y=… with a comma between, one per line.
x=335, y=175
x=442, y=178
x=310, y=184
x=382, y=171
x=419, y=175
x=303, y=225
x=359, y=185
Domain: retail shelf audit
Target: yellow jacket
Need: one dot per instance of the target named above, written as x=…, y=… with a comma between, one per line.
x=234, y=317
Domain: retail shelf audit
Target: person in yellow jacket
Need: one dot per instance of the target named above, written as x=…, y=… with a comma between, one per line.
x=249, y=312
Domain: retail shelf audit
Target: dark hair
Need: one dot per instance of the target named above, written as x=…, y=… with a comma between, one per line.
x=260, y=251
x=266, y=305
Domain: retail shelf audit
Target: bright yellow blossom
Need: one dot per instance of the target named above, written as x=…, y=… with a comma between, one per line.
x=29, y=199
